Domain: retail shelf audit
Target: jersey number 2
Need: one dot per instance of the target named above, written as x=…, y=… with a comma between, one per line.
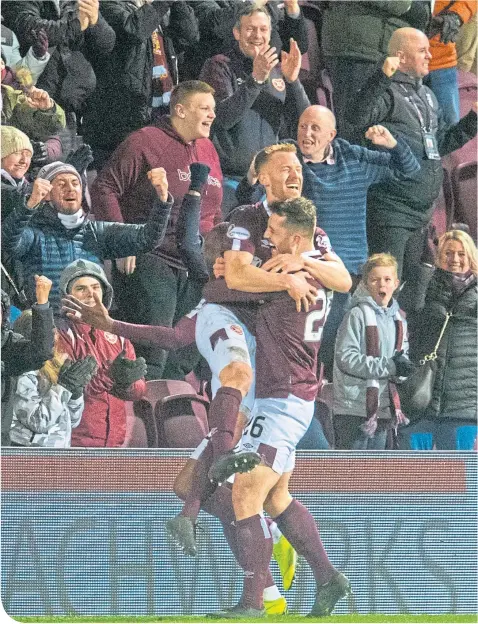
x=313, y=322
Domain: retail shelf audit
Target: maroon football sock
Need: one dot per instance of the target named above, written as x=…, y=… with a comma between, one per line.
x=254, y=550
x=219, y=505
x=201, y=487
x=298, y=526
x=223, y=413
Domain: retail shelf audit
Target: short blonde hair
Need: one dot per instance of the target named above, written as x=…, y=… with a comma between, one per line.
x=262, y=157
x=468, y=246
x=379, y=260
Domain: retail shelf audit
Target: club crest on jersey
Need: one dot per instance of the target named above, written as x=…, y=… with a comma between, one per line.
x=278, y=84
x=237, y=329
x=110, y=337
x=239, y=233
x=322, y=241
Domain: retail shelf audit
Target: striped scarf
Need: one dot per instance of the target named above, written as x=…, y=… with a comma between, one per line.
x=372, y=347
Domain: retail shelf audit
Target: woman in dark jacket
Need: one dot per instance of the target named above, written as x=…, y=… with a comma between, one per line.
x=134, y=85
x=450, y=420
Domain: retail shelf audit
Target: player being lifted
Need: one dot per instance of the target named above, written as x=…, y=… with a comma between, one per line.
x=286, y=388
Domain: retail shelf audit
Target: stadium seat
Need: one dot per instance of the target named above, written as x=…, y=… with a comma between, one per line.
x=443, y=214
x=464, y=187
x=467, y=85
x=174, y=415
x=313, y=74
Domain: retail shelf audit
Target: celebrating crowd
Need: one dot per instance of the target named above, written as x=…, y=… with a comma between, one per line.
x=249, y=234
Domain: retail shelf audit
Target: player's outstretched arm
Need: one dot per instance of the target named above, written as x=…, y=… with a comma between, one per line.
x=97, y=316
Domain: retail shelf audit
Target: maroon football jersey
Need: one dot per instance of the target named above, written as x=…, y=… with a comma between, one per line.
x=288, y=343
x=246, y=233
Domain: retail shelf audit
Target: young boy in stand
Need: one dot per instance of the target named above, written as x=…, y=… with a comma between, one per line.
x=370, y=354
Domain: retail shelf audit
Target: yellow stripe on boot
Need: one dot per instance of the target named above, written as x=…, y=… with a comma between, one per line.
x=276, y=607
x=286, y=558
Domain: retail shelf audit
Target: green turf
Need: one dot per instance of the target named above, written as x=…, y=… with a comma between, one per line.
x=373, y=618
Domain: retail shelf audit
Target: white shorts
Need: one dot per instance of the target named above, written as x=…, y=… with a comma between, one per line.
x=275, y=428
x=221, y=339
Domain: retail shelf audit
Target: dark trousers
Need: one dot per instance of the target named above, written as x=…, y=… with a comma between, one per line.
x=407, y=245
x=158, y=294
x=348, y=434
x=332, y=324
x=347, y=77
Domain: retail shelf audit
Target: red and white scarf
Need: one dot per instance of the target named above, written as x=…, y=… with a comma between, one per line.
x=372, y=347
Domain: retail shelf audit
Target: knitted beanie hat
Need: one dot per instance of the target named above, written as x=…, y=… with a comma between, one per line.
x=49, y=172
x=14, y=140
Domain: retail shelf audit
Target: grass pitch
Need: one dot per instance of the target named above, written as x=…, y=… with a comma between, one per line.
x=372, y=618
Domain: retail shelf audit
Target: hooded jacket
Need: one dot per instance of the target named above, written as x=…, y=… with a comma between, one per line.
x=44, y=246
x=455, y=390
x=123, y=193
x=391, y=102
x=104, y=417
x=352, y=365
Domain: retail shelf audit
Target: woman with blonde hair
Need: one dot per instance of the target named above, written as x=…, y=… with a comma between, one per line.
x=450, y=420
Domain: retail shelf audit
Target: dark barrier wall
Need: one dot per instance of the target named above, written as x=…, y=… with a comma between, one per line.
x=83, y=533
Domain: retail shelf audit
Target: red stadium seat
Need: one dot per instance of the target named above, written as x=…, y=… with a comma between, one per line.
x=442, y=217
x=174, y=415
x=464, y=187
x=313, y=74
x=467, y=85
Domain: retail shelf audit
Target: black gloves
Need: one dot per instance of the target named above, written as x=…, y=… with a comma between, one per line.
x=80, y=158
x=199, y=174
x=40, y=153
x=125, y=372
x=39, y=43
x=74, y=376
x=447, y=25
x=403, y=365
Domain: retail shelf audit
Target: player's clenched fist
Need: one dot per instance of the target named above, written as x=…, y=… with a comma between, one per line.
x=41, y=188
x=390, y=65
x=159, y=180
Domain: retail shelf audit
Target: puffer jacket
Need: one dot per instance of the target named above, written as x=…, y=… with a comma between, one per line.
x=455, y=389
x=353, y=367
x=38, y=239
x=43, y=416
x=20, y=355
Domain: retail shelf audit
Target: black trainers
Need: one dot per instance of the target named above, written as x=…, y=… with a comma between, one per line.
x=183, y=533
x=329, y=594
x=238, y=612
x=230, y=463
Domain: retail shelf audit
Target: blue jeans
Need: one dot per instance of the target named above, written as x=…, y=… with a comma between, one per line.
x=446, y=434
x=444, y=84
